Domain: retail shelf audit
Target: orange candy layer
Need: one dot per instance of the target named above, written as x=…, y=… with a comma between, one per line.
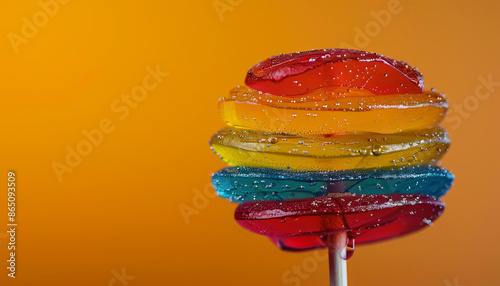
x=332, y=110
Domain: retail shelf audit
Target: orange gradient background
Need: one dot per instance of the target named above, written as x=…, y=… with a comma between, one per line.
x=119, y=208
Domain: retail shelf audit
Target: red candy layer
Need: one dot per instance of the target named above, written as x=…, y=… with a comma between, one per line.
x=300, y=224
x=299, y=73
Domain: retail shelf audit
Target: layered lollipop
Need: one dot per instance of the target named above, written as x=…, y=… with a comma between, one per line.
x=328, y=147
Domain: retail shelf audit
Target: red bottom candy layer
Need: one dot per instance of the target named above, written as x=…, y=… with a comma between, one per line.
x=304, y=224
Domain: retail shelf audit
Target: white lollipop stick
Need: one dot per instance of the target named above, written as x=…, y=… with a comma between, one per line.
x=338, y=266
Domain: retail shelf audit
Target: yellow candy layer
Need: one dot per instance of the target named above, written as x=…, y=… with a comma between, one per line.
x=327, y=111
x=240, y=147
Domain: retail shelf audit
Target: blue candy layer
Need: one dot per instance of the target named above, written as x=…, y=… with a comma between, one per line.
x=244, y=184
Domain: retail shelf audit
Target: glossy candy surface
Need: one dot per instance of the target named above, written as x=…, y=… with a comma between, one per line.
x=299, y=73
x=332, y=141
x=239, y=147
x=324, y=111
x=302, y=224
x=246, y=184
